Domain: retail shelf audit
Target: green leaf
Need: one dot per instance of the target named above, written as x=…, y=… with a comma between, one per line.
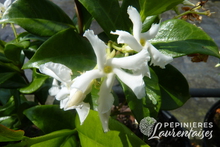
x=108, y=14
x=10, y=76
x=40, y=17
x=66, y=47
x=155, y=7
x=50, y=118
x=11, y=80
x=83, y=17
x=9, y=121
x=174, y=87
x=7, y=134
x=91, y=133
x=178, y=38
x=149, y=21
x=148, y=105
x=41, y=95
x=38, y=81
x=8, y=108
x=64, y=138
x=13, y=51
x=5, y=94
x=2, y=53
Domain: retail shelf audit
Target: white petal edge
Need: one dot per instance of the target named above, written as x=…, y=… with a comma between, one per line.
x=104, y=117
x=83, y=81
x=83, y=111
x=57, y=71
x=62, y=94
x=7, y=3
x=158, y=58
x=133, y=62
x=106, y=99
x=127, y=38
x=136, y=20
x=99, y=47
x=135, y=82
x=151, y=33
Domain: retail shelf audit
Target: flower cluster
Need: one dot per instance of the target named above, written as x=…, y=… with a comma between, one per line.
x=71, y=93
x=4, y=7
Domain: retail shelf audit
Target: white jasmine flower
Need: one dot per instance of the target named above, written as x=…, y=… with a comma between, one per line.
x=3, y=7
x=139, y=41
x=108, y=69
x=63, y=92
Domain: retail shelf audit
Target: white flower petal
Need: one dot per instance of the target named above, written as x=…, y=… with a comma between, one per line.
x=62, y=94
x=83, y=81
x=106, y=99
x=99, y=47
x=151, y=33
x=135, y=82
x=127, y=38
x=83, y=112
x=57, y=71
x=104, y=117
x=158, y=58
x=76, y=97
x=135, y=62
x=54, y=90
x=136, y=20
x=64, y=102
x=7, y=3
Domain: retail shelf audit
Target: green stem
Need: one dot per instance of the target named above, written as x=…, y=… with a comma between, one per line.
x=15, y=33
x=188, y=12
x=79, y=16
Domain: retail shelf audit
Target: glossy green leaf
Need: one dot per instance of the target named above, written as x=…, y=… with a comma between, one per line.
x=174, y=87
x=37, y=82
x=8, y=108
x=178, y=38
x=66, y=47
x=13, y=51
x=91, y=133
x=2, y=53
x=148, y=105
x=11, y=80
x=63, y=138
x=5, y=94
x=108, y=14
x=41, y=95
x=9, y=121
x=40, y=17
x=149, y=21
x=7, y=134
x=50, y=118
x=66, y=139
x=155, y=7
x=10, y=76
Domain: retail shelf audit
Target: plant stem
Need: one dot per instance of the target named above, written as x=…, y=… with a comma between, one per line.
x=79, y=16
x=188, y=12
x=14, y=31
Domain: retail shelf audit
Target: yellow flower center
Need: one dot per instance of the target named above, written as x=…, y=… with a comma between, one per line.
x=107, y=69
x=142, y=41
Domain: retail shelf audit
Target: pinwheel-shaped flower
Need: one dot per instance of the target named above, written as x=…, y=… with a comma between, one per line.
x=139, y=41
x=64, y=92
x=3, y=7
x=107, y=69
